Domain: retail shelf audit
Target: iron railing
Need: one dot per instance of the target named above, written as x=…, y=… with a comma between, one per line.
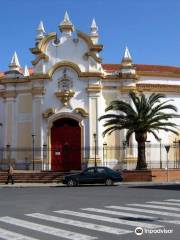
x=118, y=157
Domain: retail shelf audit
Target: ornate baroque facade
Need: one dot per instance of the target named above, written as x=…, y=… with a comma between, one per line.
x=58, y=101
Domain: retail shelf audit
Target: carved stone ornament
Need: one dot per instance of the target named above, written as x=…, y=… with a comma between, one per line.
x=65, y=92
x=81, y=111
x=65, y=96
x=48, y=112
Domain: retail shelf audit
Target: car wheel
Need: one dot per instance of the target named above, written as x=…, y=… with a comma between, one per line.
x=71, y=183
x=109, y=182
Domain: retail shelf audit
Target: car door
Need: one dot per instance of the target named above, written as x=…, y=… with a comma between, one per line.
x=100, y=175
x=87, y=176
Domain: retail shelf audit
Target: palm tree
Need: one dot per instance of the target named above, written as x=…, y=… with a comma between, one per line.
x=144, y=115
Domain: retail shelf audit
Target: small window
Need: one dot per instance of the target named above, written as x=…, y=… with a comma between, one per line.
x=101, y=170
x=89, y=171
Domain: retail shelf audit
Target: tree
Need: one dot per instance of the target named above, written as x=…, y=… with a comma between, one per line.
x=144, y=115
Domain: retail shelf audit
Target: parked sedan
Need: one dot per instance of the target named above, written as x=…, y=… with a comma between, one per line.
x=93, y=175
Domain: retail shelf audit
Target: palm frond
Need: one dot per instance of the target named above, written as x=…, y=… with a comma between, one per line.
x=155, y=98
x=129, y=134
x=143, y=114
x=154, y=134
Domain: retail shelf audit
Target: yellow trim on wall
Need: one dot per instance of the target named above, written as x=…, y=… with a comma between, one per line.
x=72, y=65
x=151, y=88
x=82, y=112
x=93, y=55
x=91, y=45
x=39, y=57
x=75, y=67
x=48, y=112
x=158, y=88
x=43, y=43
x=94, y=88
x=158, y=74
x=14, y=93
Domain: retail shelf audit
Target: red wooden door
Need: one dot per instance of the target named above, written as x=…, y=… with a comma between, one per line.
x=65, y=145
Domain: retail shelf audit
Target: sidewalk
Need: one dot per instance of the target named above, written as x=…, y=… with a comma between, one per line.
x=24, y=185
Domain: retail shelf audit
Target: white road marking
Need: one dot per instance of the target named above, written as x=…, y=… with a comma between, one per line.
x=9, y=235
x=125, y=214
x=171, y=221
x=145, y=211
x=109, y=219
x=154, y=206
x=165, y=203
x=46, y=229
x=80, y=224
x=173, y=200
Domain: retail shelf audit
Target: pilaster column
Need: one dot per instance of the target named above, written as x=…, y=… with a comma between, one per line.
x=95, y=105
x=10, y=123
x=37, y=127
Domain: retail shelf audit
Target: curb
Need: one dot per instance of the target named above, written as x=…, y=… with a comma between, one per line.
x=26, y=185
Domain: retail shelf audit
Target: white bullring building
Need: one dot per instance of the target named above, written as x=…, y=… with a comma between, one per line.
x=53, y=107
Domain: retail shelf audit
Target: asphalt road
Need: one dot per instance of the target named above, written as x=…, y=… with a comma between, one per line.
x=90, y=212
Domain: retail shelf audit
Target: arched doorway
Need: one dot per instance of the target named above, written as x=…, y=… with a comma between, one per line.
x=65, y=145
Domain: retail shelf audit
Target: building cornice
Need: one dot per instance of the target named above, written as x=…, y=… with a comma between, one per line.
x=38, y=91
x=151, y=88
x=14, y=80
x=14, y=93
x=158, y=74
x=39, y=76
x=8, y=94
x=158, y=88
x=94, y=88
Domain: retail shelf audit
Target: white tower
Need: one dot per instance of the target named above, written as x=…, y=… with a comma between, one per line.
x=26, y=71
x=127, y=63
x=14, y=64
x=40, y=32
x=94, y=32
x=66, y=26
x=127, y=59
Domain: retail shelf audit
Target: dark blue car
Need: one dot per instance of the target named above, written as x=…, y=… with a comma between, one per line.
x=93, y=175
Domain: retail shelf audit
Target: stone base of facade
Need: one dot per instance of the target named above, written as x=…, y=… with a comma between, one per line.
x=152, y=175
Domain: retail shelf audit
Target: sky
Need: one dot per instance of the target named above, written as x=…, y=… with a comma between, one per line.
x=150, y=29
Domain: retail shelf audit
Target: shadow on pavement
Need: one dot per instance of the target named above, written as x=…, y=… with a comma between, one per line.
x=174, y=187
x=140, y=219
x=88, y=185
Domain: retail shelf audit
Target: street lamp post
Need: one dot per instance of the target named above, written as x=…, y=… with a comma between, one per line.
x=175, y=153
x=8, y=148
x=179, y=153
x=167, y=147
x=124, y=145
x=160, y=153
x=95, y=142
x=104, y=148
x=44, y=156
x=33, y=141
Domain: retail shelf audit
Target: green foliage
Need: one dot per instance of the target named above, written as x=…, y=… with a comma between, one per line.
x=144, y=115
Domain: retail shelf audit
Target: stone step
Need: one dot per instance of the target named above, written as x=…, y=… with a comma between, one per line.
x=33, y=177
